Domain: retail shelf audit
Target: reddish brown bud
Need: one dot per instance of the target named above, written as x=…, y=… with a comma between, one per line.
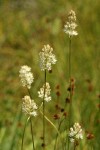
x=98, y=105
x=98, y=95
x=57, y=106
x=58, y=86
x=65, y=114
x=56, y=116
x=69, y=89
x=88, y=80
x=90, y=136
x=62, y=109
x=43, y=145
x=50, y=71
x=67, y=100
x=58, y=93
x=72, y=80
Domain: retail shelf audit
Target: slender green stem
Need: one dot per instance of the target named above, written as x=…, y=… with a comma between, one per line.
x=24, y=134
x=52, y=125
x=31, y=123
x=50, y=122
x=29, y=93
x=59, y=125
x=55, y=146
x=99, y=107
x=74, y=147
x=32, y=133
x=44, y=111
x=70, y=94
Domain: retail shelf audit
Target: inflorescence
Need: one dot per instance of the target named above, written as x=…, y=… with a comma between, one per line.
x=26, y=76
x=70, y=25
x=47, y=96
x=29, y=107
x=75, y=132
x=47, y=58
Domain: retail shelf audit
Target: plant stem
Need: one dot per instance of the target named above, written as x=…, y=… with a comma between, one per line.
x=59, y=125
x=24, y=134
x=31, y=123
x=50, y=122
x=55, y=146
x=75, y=146
x=32, y=133
x=52, y=125
x=44, y=111
x=29, y=93
x=70, y=93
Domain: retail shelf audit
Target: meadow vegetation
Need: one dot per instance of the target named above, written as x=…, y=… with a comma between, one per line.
x=25, y=27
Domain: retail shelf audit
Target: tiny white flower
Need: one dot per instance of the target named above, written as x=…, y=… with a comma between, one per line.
x=29, y=107
x=75, y=132
x=26, y=76
x=70, y=25
x=47, y=96
x=72, y=140
x=47, y=58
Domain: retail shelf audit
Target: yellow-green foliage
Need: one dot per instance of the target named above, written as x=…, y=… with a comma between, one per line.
x=25, y=26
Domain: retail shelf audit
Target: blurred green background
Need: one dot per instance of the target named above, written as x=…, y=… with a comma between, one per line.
x=25, y=26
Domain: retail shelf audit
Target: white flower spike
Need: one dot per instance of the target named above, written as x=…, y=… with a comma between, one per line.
x=47, y=96
x=70, y=25
x=75, y=132
x=26, y=76
x=47, y=58
x=29, y=107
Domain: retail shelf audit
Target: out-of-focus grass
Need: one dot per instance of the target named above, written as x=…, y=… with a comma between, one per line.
x=25, y=26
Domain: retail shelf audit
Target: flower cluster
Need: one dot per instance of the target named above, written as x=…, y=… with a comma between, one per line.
x=29, y=107
x=47, y=96
x=26, y=76
x=47, y=58
x=75, y=132
x=70, y=24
